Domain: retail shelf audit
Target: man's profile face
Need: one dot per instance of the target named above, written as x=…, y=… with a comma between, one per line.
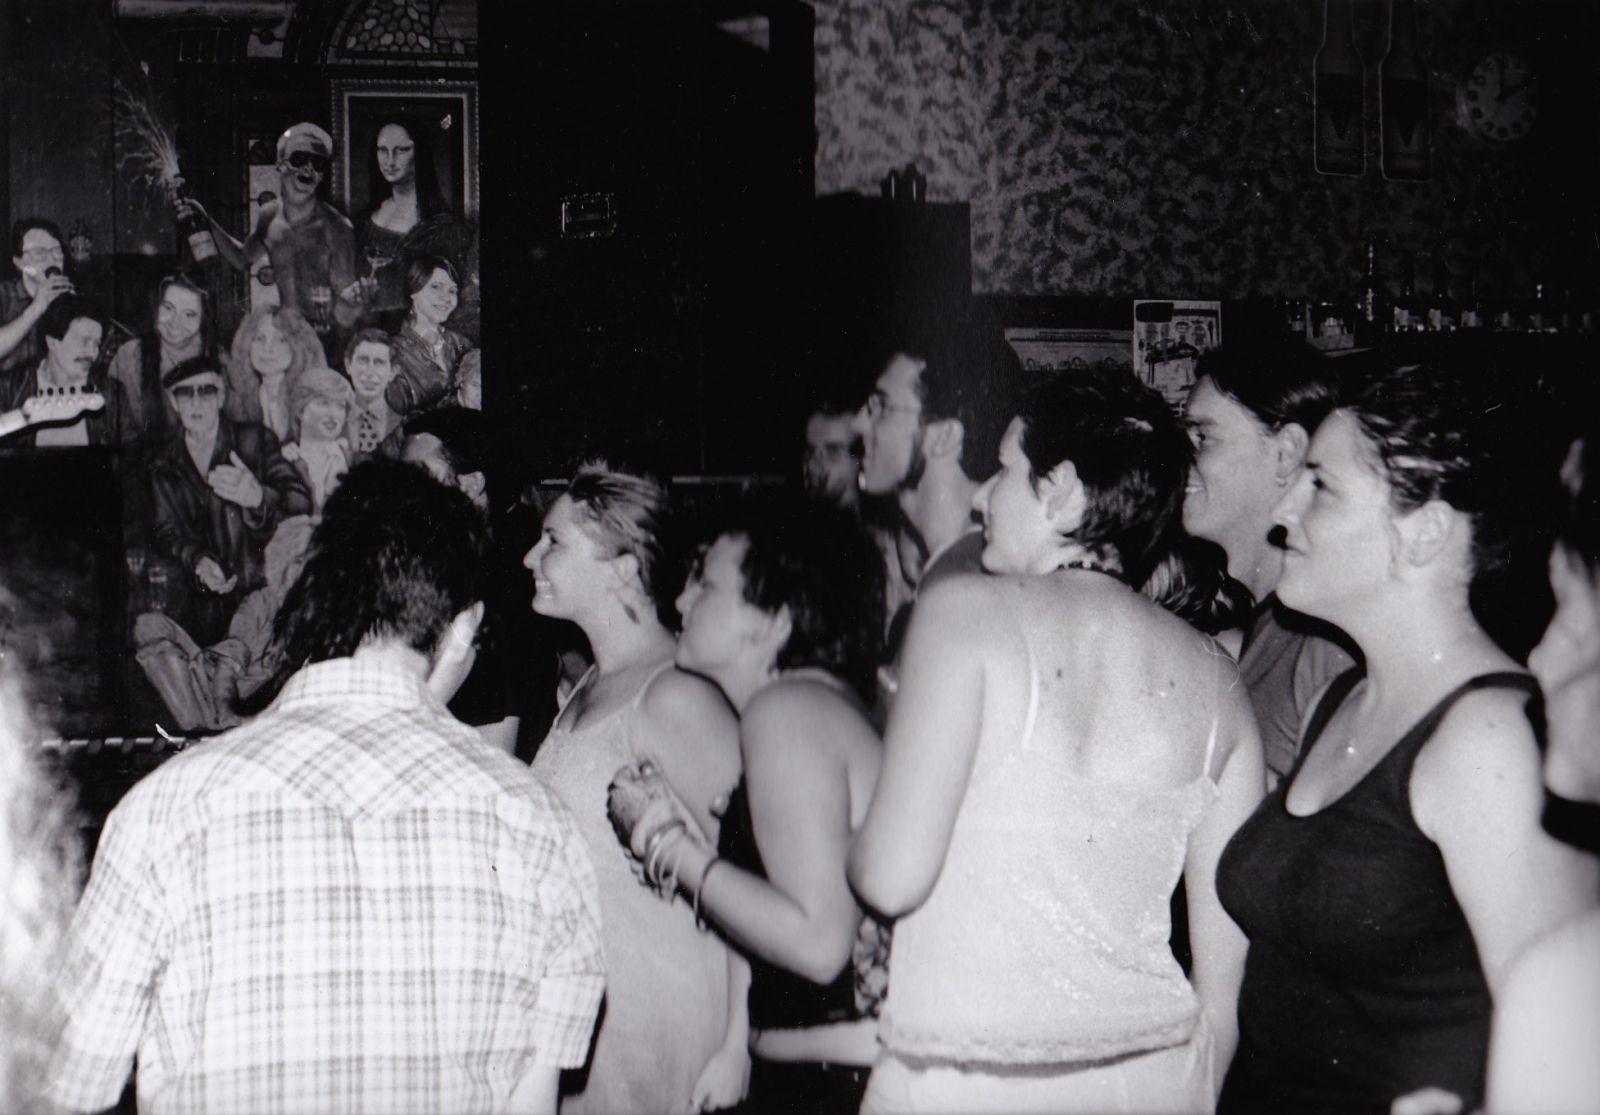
x=75, y=352
x=370, y=368
x=890, y=425
x=832, y=464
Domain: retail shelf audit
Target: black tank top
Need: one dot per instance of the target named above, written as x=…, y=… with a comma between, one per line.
x=1362, y=981
x=779, y=997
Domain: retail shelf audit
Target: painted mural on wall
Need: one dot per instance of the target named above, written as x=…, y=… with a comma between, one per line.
x=1165, y=146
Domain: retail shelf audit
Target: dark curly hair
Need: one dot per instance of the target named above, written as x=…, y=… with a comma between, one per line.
x=396, y=556
x=1130, y=453
x=818, y=561
x=1444, y=433
x=1464, y=434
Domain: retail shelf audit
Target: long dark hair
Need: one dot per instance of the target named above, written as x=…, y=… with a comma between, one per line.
x=430, y=198
x=208, y=319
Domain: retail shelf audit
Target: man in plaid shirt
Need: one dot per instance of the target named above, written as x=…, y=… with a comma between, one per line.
x=350, y=903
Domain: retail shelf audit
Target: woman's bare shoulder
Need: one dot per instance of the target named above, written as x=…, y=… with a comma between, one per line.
x=821, y=711
x=676, y=692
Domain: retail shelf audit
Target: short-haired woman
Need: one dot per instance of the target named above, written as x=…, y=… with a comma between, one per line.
x=1387, y=884
x=605, y=560
x=785, y=613
x=1061, y=752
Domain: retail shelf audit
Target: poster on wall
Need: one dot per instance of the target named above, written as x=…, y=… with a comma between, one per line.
x=1168, y=339
x=1060, y=350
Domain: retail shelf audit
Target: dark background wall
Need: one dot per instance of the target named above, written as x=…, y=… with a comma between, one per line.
x=1164, y=148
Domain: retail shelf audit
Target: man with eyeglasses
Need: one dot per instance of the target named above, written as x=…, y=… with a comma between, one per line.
x=310, y=244
x=38, y=280
x=220, y=489
x=930, y=433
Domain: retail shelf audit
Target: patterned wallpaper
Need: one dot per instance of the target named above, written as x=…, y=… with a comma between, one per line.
x=1164, y=146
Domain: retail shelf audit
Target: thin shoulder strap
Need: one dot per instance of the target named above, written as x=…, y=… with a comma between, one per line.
x=638, y=698
x=628, y=718
x=1218, y=656
x=1332, y=697
x=588, y=676
x=1502, y=679
x=1033, y=675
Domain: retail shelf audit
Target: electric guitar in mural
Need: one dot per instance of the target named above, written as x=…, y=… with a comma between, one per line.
x=51, y=405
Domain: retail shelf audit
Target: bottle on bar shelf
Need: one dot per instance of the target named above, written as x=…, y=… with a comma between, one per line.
x=1338, y=84
x=1442, y=310
x=1472, y=313
x=1371, y=311
x=1405, y=314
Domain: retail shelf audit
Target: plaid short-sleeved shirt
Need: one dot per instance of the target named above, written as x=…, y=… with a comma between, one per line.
x=349, y=904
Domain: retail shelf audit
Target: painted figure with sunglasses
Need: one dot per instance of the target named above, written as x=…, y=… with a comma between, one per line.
x=38, y=259
x=220, y=489
x=311, y=245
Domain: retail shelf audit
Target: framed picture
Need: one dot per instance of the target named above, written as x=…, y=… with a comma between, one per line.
x=443, y=119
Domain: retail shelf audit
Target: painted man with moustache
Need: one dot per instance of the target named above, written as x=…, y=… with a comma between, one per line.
x=71, y=329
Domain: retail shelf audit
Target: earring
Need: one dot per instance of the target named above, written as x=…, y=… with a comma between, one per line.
x=1281, y=481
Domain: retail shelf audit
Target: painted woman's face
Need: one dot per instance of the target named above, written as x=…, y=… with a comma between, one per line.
x=323, y=419
x=436, y=299
x=178, y=316
x=397, y=154
x=269, y=350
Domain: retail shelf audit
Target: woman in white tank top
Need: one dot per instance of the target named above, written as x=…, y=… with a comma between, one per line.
x=1062, y=751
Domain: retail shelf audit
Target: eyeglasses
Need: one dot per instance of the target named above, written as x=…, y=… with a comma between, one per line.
x=45, y=253
x=878, y=405
x=302, y=159
x=196, y=391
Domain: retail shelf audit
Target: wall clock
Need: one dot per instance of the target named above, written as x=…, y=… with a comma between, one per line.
x=1499, y=100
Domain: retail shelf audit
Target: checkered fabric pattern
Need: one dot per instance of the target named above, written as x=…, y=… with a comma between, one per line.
x=349, y=904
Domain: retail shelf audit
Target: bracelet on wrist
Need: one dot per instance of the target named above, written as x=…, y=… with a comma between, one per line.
x=700, y=888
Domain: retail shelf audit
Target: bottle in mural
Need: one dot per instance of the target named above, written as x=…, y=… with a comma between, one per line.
x=1405, y=144
x=195, y=232
x=1338, y=81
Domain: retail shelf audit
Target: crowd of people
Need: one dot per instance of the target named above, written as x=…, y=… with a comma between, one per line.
x=1052, y=751
x=232, y=426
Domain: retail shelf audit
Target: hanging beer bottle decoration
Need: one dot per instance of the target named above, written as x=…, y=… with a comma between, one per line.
x=1405, y=144
x=1338, y=81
